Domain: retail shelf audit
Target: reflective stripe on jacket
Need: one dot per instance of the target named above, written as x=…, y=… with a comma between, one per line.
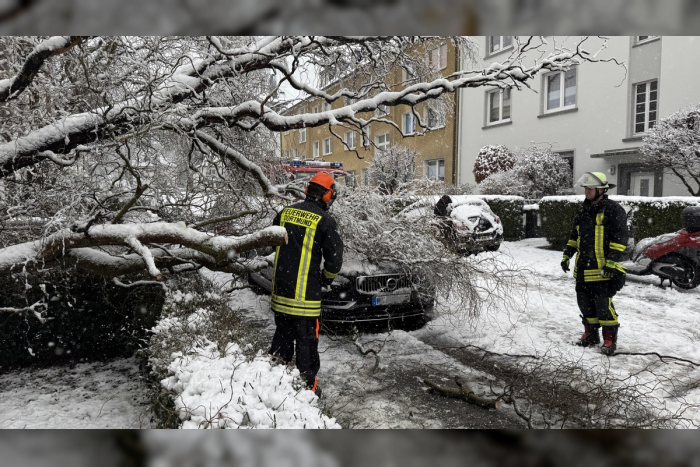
x=297, y=280
x=599, y=234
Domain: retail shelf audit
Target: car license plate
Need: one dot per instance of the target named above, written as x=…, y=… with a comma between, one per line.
x=393, y=299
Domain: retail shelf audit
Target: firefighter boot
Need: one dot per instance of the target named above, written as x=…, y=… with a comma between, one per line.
x=590, y=335
x=609, y=340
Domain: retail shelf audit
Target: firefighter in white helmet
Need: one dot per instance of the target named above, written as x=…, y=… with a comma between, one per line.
x=598, y=238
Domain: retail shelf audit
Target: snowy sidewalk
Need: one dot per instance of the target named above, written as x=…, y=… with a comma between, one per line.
x=88, y=395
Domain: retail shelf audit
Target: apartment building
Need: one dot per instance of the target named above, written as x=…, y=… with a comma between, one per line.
x=437, y=148
x=594, y=114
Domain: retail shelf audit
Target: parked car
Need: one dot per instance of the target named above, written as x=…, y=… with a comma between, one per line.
x=363, y=292
x=673, y=256
x=466, y=222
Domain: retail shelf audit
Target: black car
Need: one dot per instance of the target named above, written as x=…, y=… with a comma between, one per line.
x=365, y=293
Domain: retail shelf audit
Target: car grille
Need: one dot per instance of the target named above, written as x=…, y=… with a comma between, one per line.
x=381, y=283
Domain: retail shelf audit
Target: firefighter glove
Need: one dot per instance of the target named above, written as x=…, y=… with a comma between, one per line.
x=613, y=269
x=565, y=264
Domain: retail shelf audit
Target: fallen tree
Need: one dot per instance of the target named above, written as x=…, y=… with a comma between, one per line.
x=120, y=154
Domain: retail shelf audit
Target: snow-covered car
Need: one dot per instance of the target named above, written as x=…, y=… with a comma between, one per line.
x=465, y=221
x=364, y=292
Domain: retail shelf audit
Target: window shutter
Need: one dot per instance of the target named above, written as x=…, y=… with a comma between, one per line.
x=443, y=56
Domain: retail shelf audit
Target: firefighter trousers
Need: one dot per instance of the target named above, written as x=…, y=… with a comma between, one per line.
x=303, y=332
x=595, y=303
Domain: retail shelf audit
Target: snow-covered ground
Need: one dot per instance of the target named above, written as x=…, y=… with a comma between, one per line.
x=86, y=395
x=539, y=318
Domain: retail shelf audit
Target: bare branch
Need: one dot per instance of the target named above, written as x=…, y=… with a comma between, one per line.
x=139, y=191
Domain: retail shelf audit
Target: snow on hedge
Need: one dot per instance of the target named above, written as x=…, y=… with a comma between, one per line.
x=233, y=391
x=659, y=201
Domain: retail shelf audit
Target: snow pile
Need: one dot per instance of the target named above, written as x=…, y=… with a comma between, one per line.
x=227, y=389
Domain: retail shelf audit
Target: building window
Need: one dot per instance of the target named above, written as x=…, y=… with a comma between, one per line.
x=316, y=150
x=365, y=177
x=350, y=138
x=499, y=105
x=569, y=157
x=497, y=43
x=435, y=169
x=295, y=153
x=302, y=135
x=560, y=92
x=382, y=110
x=366, y=136
x=409, y=123
x=287, y=154
x=326, y=107
x=314, y=109
x=327, y=148
x=642, y=39
x=382, y=142
x=645, y=102
x=438, y=57
x=303, y=157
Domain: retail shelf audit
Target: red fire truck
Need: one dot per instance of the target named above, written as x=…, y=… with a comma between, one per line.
x=297, y=169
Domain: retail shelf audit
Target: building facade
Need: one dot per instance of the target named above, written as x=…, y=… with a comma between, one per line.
x=437, y=148
x=594, y=114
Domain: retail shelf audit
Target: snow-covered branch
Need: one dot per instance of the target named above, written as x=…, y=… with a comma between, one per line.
x=35, y=309
x=221, y=251
x=13, y=86
x=180, y=96
x=119, y=283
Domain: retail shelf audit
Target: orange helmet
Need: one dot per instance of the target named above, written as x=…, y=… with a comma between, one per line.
x=327, y=182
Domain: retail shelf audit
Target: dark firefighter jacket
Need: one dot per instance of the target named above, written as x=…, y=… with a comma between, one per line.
x=599, y=234
x=297, y=280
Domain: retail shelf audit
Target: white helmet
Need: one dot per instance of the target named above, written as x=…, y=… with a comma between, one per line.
x=594, y=180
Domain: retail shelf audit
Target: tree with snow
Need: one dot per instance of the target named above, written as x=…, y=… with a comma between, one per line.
x=392, y=169
x=124, y=154
x=673, y=145
x=492, y=159
x=537, y=172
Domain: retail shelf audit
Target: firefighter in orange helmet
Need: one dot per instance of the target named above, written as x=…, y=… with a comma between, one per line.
x=299, y=276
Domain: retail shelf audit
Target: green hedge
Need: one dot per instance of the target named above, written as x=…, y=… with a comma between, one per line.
x=557, y=214
x=646, y=217
x=88, y=318
x=510, y=210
